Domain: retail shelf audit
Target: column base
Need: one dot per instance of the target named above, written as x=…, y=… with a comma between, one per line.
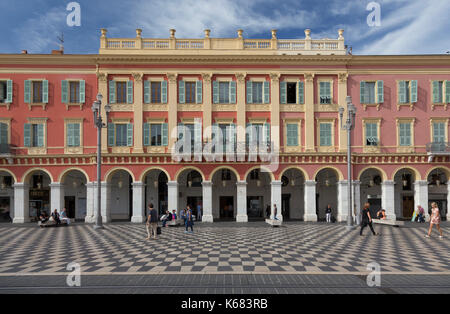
x=342, y=218
x=241, y=218
x=207, y=218
x=391, y=217
x=20, y=220
x=89, y=219
x=137, y=219
x=106, y=219
x=310, y=217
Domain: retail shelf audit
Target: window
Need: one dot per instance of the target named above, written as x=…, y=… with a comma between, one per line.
x=4, y=133
x=155, y=92
x=438, y=92
x=404, y=134
x=121, y=92
x=292, y=92
x=74, y=92
x=33, y=135
x=37, y=92
x=292, y=134
x=407, y=92
x=371, y=134
x=371, y=92
x=73, y=134
x=224, y=92
x=254, y=174
x=121, y=96
x=120, y=134
x=325, y=96
x=190, y=92
x=257, y=92
x=326, y=134
x=254, y=133
x=438, y=132
x=3, y=90
x=156, y=134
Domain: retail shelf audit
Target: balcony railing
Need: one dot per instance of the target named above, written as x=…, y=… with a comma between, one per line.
x=438, y=147
x=5, y=149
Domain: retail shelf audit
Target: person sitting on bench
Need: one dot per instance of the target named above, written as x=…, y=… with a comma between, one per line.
x=168, y=217
x=381, y=214
x=64, y=218
x=55, y=216
x=43, y=217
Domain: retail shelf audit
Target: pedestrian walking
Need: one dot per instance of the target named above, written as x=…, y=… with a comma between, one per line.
x=189, y=221
x=199, y=212
x=328, y=212
x=275, y=210
x=183, y=215
x=421, y=217
x=152, y=222
x=366, y=219
x=435, y=220
x=268, y=211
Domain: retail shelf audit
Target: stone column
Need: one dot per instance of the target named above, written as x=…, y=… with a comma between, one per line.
x=103, y=89
x=275, y=110
x=309, y=113
x=138, y=202
x=276, y=199
x=138, y=109
x=241, y=189
x=56, y=196
x=106, y=201
x=357, y=201
x=207, y=201
x=421, y=195
x=310, y=201
x=342, y=200
x=342, y=102
x=91, y=204
x=207, y=105
x=172, y=196
x=21, y=203
x=173, y=108
x=388, y=198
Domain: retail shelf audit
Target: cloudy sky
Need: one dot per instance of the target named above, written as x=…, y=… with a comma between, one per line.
x=406, y=26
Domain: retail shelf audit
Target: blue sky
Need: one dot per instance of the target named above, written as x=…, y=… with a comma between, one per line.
x=407, y=26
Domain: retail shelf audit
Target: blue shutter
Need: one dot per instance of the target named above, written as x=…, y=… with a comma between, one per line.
x=45, y=91
x=292, y=134
x=40, y=130
x=266, y=88
x=380, y=92
x=414, y=91
x=436, y=92
x=301, y=92
x=232, y=136
x=181, y=92
x=111, y=134
x=82, y=91
x=27, y=135
x=147, y=92
x=64, y=91
x=112, y=93
x=130, y=134
x=199, y=90
x=70, y=134
x=232, y=92
x=362, y=92
x=9, y=91
x=215, y=92
x=27, y=92
x=165, y=134
x=402, y=92
x=76, y=134
x=130, y=92
x=267, y=133
x=249, y=92
x=283, y=92
x=3, y=133
x=447, y=91
x=248, y=133
x=164, y=92
x=146, y=134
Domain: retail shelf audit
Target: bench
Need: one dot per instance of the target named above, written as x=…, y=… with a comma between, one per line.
x=51, y=223
x=274, y=222
x=388, y=222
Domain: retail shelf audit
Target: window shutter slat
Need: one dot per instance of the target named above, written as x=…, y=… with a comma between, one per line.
x=232, y=92
x=283, y=91
x=362, y=92
x=165, y=134
x=413, y=91
x=267, y=133
x=199, y=89
x=112, y=92
x=70, y=134
x=402, y=92
x=147, y=92
x=45, y=91
x=181, y=92
x=27, y=135
x=215, y=92
x=77, y=134
x=249, y=92
x=9, y=91
x=130, y=92
x=82, y=91
x=146, y=134
x=64, y=92
x=40, y=129
x=3, y=133
x=111, y=134
x=164, y=92
x=380, y=92
x=447, y=91
x=130, y=134
x=301, y=92
x=266, y=87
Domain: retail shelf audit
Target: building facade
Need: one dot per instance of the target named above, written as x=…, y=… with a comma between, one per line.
x=283, y=94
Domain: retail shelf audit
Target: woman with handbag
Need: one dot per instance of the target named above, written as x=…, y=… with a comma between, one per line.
x=366, y=219
x=435, y=219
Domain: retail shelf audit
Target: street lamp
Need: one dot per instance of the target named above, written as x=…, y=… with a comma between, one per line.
x=349, y=124
x=98, y=122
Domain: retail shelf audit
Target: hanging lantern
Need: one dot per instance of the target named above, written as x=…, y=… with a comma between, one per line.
x=3, y=184
x=189, y=183
x=224, y=183
x=258, y=183
x=74, y=184
x=371, y=183
x=293, y=182
x=155, y=183
x=438, y=182
x=120, y=184
x=39, y=185
x=327, y=182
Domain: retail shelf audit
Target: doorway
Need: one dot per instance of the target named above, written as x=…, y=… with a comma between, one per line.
x=285, y=208
x=69, y=204
x=226, y=207
x=193, y=202
x=375, y=206
x=5, y=209
x=255, y=207
x=408, y=206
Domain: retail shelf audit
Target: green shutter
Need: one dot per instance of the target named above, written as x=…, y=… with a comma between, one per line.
x=215, y=92
x=112, y=93
x=413, y=91
x=45, y=91
x=232, y=137
x=146, y=134
x=301, y=92
x=82, y=91
x=76, y=134
x=130, y=134
x=164, y=92
x=248, y=133
x=40, y=130
x=181, y=92
x=402, y=92
x=129, y=92
x=447, y=91
x=3, y=133
x=111, y=134
x=249, y=92
x=9, y=91
x=362, y=92
x=27, y=135
x=325, y=134
x=267, y=133
x=436, y=92
x=283, y=92
x=380, y=92
x=199, y=90
x=165, y=134
x=266, y=87
x=147, y=92
x=27, y=92
x=70, y=141
x=64, y=91
x=232, y=92
x=321, y=90
x=292, y=134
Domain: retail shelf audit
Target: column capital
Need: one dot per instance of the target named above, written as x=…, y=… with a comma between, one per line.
x=172, y=77
x=241, y=183
x=20, y=185
x=309, y=77
x=388, y=182
x=356, y=182
x=137, y=76
x=241, y=77
x=207, y=77
x=56, y=185
x=172, y=183
x=138, y=184
x=102, y=76
x=342, y=77
x=421, y=183
x=310, y=183
x=207, y=183
x=276, y=183
x=275, y=77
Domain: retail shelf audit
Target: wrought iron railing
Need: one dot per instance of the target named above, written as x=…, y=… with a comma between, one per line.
x=438, y=147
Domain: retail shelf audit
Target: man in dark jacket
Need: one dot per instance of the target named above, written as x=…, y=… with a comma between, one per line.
x=152, y=222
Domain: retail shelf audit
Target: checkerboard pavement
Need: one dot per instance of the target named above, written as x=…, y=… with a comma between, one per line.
x=228, y=247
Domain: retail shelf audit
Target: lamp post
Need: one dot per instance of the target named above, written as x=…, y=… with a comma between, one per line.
x=98, y=122
x=349, y=124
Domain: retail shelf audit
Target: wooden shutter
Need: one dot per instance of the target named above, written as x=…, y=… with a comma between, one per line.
x=146, y=134
x=64, y=91
x=27, y=135
x=402, y=92
x=3, y=133
x=232, y=92
x=40, y=130
x=165, y=134
x=130, y=134
x=215, y=92
x=199, y=92
x=27, y=92
x=147, y=92
x=111, y=134
x=266, y=89
x=413, y=91
x=82, y=91
x=70, y=141
x=9, y=91
x=112, y=93
x=436, y=92
x=129, y=92
x=164, y=92
x=45, y=91
x=248, y=133
x=380, y=92
x=301, y=92
x=447, y=91
x=362, y=92
x=283, y=92
x=249, y=92
x=267, y=133
x=76, y=134
x=181, y=92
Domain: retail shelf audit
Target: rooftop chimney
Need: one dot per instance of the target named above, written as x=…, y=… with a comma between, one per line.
x=57, y=52
x=24, y=52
